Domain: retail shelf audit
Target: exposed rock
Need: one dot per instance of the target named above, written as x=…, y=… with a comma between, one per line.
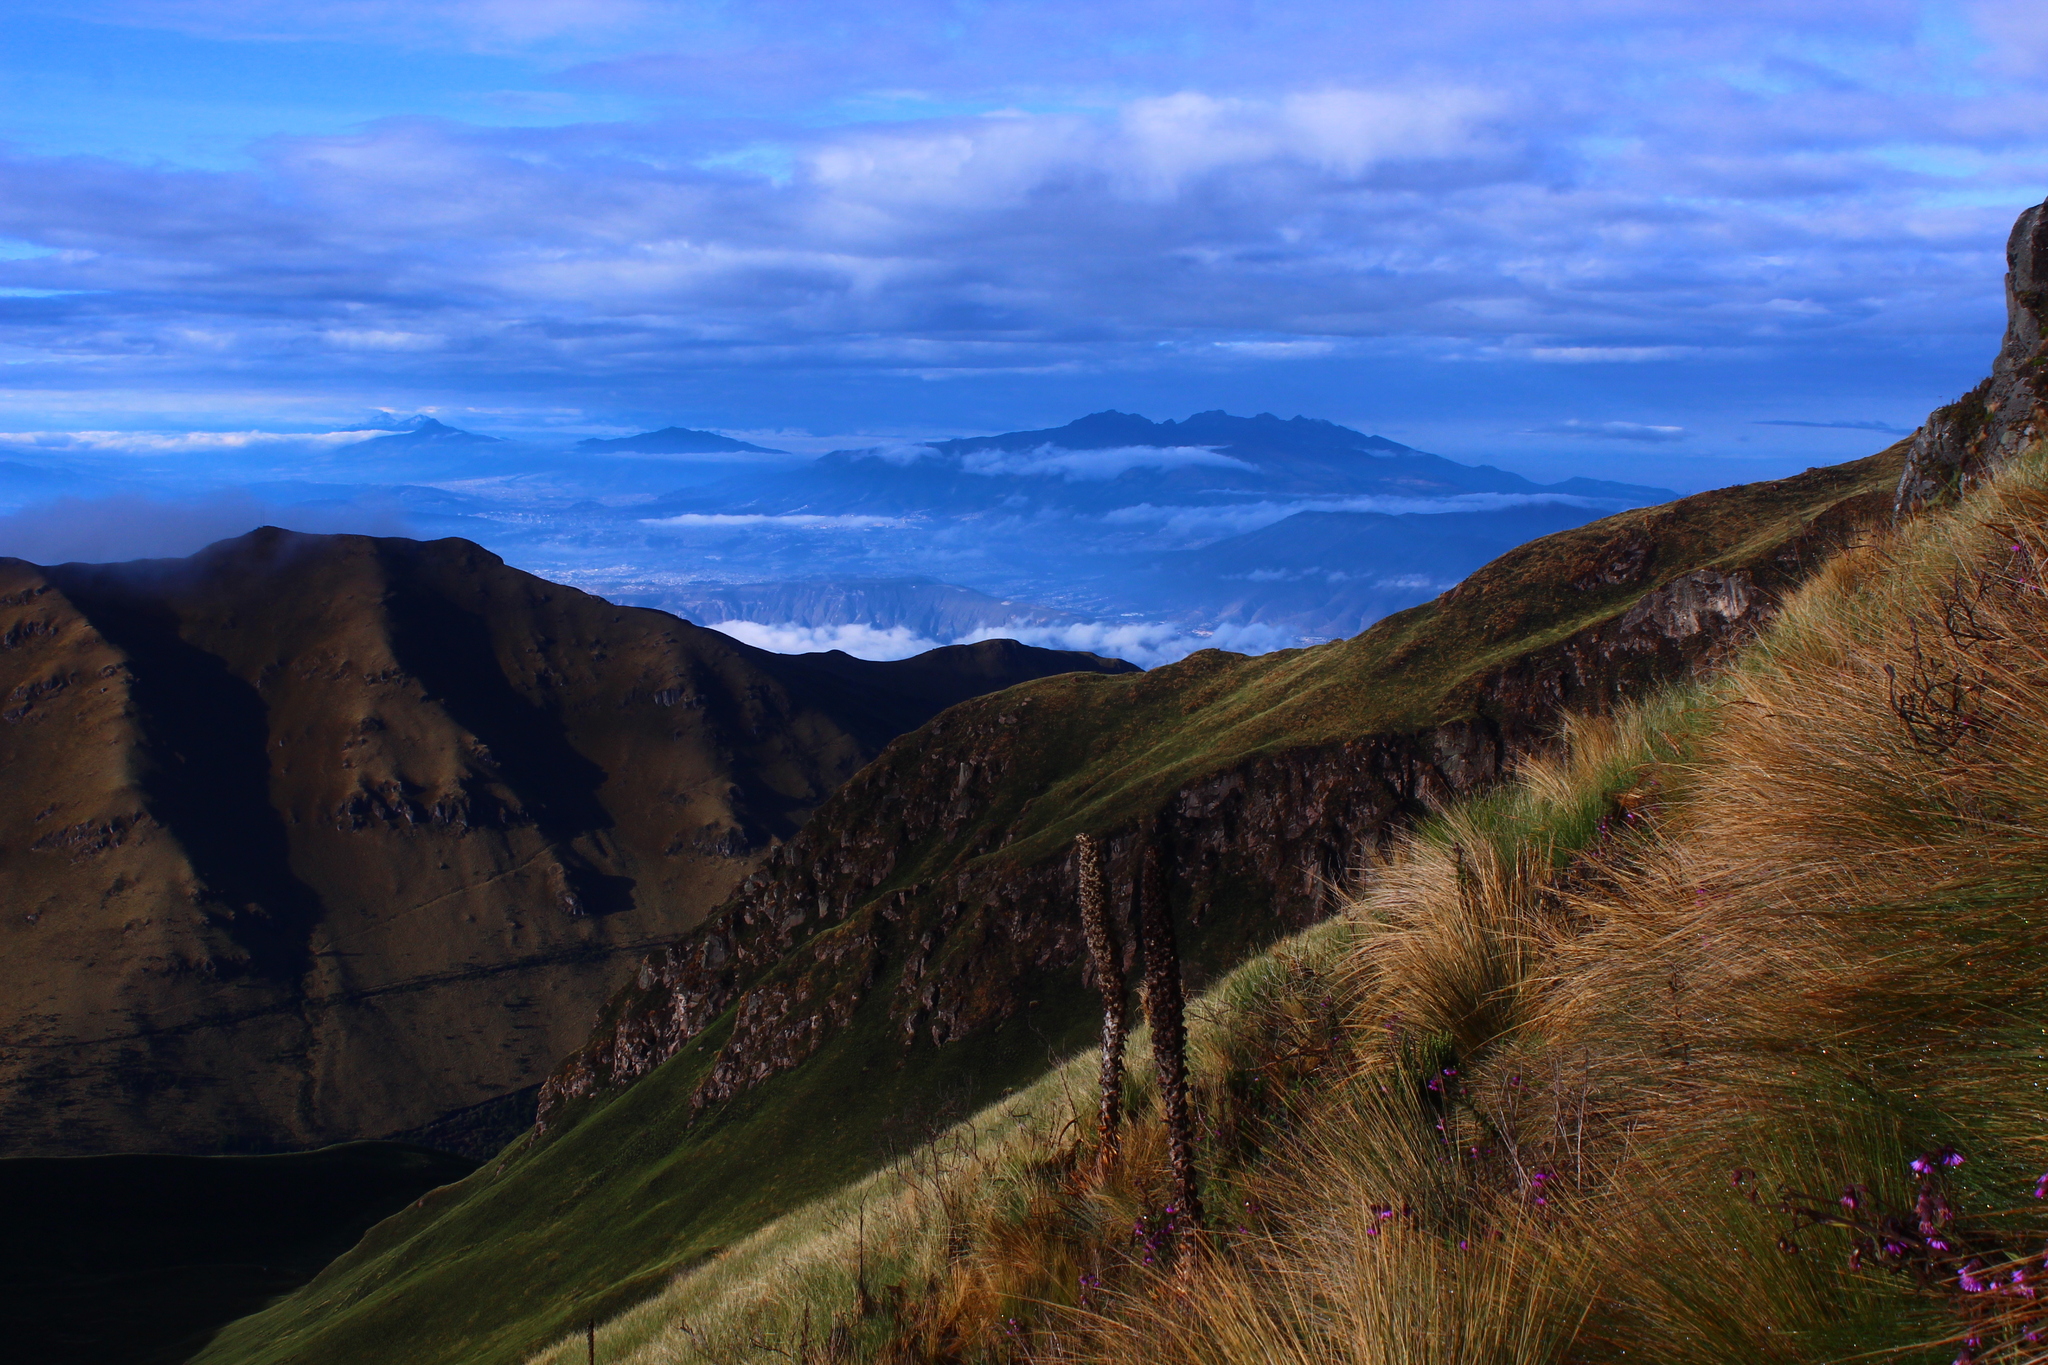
x=2008, y=411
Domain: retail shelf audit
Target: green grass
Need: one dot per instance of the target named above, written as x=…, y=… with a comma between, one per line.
x=586, y=1223
x=627, y=1194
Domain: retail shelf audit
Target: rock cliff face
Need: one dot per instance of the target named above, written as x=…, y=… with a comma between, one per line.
x=2008, y=411
x=310, y=838
x=934, y=893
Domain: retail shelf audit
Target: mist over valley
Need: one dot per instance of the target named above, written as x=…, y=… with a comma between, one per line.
x=1112, y=533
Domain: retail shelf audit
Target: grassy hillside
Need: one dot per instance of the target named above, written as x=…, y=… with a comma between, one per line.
x=632, y=1188
x=1719, y=1037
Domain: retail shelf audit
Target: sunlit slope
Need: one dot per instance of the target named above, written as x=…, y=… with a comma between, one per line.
x=911, y=953
x=1716, y=1036
x=308, y=838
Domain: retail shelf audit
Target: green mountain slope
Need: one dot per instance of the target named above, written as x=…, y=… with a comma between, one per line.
x=1715, y=1036
x=913, y=951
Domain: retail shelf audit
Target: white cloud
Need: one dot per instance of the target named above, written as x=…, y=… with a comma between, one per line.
x=1237, y=518
x=1279, y=350
x=1609, y=355
x=927, y=192
x=1147, y=644
x=1609, y=431
x=861, y=641
x=794, y=521
x=182, y=442
x=1054, y=462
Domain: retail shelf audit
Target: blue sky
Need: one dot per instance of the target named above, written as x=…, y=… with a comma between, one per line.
x=1605, y=236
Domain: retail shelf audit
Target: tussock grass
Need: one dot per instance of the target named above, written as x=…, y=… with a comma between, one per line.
x=1632, y=1059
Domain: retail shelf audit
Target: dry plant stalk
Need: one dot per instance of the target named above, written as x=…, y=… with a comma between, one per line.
x=1165, y=1010
x=1109, y=979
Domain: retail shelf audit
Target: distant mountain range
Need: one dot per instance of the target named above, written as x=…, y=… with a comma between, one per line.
x=1301, y=525
x=424, y=433
x=929, y=609
x=1112, y=460
x=674, y=441
x=1112, y=531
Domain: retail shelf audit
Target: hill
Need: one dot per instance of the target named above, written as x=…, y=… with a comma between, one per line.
x=673, y=441
x=913, y=952
x=1716, y=1036
x=310, y=838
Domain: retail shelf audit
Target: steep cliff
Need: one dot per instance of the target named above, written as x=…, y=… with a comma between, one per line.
x=1991, y=423
x=308, y=838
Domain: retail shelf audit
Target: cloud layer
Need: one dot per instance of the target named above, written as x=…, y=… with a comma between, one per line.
x=1145, y=643
x=902, y=190
x=926, y=218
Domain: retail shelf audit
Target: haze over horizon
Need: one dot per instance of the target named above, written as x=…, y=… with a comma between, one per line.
x=1678, y=243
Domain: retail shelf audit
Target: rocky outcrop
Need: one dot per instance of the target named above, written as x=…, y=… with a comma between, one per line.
x=2008, y=411
x=929, y=894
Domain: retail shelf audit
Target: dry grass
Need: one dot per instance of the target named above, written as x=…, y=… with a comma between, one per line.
x=1626, y=1061
x=1803, y=949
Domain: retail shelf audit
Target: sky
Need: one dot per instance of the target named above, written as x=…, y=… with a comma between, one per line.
x=1670, y=240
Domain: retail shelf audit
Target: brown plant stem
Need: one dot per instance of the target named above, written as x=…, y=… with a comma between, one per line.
x=1166, y=1011
x=1109, y=979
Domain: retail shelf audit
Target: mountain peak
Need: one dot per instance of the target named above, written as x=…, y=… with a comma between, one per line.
x=674, y=441
x=423, y=431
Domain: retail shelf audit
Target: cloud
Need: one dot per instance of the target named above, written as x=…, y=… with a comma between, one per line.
x=1054, y=462
x=863, y=207
x=861, y=641
x=1279, y=350
x=793, y=521
x=1238, y=518
x=1609, y=355
x=126, y=526
x=1609, y=431
x=1145, y=643
x=1838, y=426
x=184, y=442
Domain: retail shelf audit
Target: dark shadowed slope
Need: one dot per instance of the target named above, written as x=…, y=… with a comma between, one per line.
x=136, y=1260
x=309, y=838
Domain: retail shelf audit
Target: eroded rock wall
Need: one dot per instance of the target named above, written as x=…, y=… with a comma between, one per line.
x=2009, y=410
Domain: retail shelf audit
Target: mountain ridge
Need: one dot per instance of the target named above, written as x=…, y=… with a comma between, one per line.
x=916, y=941
x=300, y=820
